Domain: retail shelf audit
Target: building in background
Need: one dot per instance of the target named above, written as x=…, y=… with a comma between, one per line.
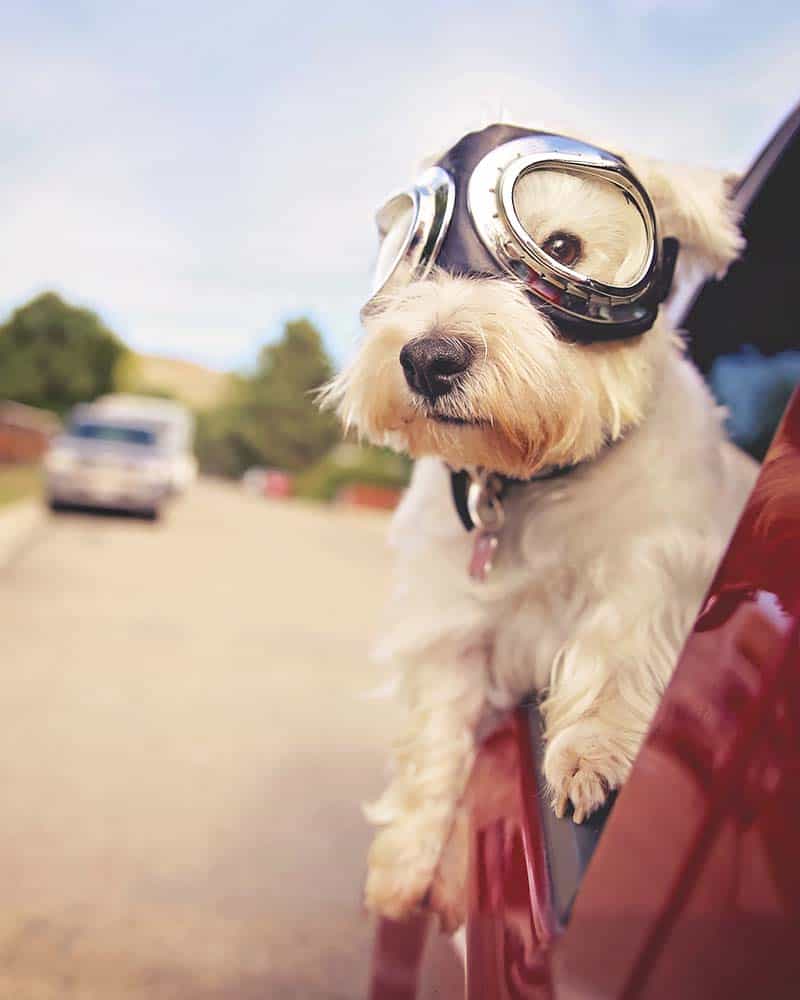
x=25, y=432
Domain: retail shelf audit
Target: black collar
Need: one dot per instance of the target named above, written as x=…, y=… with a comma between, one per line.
x=459, y=485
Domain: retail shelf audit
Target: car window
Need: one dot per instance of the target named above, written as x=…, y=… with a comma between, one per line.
x=743, y=329
x=119, y=433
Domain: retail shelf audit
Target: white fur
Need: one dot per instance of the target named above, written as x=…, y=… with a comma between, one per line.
x=599, y=573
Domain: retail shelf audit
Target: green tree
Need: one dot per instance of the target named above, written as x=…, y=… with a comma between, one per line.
x=54, y=355
x=271, y=418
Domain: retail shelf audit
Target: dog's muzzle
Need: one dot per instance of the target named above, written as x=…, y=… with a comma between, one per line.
x=461, y=216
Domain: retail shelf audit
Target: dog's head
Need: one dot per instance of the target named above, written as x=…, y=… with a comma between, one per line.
x=471, y=369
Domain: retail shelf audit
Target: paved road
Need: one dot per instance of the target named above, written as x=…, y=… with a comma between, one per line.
x=183, y=748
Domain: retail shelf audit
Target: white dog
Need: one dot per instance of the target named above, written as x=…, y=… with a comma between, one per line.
x=599, y=571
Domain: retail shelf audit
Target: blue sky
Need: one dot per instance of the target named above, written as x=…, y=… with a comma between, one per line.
x=199, y=172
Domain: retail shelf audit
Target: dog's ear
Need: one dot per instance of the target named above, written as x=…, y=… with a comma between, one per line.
x=695, y=205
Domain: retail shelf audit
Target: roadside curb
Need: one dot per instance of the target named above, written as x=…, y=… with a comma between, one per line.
x=18, y=523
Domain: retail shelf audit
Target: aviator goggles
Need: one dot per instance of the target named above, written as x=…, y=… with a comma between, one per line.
x=462, y=216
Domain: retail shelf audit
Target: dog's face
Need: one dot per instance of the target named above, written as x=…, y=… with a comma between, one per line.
x=469, y=369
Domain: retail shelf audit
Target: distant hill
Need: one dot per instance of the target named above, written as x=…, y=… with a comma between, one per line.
x=193, y=384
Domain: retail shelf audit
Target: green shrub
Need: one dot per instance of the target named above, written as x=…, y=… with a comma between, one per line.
x=348, y=464
x=53, y=355
x=270, y=417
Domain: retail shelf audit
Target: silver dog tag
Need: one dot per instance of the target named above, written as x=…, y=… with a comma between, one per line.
x=487, y=514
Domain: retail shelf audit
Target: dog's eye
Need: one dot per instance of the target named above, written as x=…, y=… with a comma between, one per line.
x=563, y=247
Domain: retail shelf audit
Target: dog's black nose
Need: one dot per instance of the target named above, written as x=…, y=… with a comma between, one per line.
x=431, y=365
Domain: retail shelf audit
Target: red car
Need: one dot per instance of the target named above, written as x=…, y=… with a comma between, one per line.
x=693, y=890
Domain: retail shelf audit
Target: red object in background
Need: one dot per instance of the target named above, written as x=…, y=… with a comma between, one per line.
x=25, y=432
x=365, y=495
x=277, y=485
x=694, y=890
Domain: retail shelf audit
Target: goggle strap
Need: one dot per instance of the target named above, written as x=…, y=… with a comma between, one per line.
x=669, y=257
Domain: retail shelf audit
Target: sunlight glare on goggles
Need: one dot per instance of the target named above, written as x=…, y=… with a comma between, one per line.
x=395, y=222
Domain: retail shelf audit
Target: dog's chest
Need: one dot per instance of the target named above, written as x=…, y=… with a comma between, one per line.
x=541, y=560
x=528, y=634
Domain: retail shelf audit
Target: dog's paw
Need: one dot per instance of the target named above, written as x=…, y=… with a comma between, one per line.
x=401, y=866
x=583, y=763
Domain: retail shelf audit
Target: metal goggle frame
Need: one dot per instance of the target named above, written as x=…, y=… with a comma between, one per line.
x=433, y=198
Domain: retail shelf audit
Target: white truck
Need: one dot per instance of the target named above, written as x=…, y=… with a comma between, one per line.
x=124, y=452
x=176, y=430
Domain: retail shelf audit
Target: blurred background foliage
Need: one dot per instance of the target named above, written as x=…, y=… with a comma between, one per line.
x=54, y=355
x=269, y=417
x=350, y=463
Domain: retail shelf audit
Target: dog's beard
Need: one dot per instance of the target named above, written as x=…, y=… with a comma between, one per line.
x=528, y=400
x=461, y=445
x=456, y=409
x=463, y=433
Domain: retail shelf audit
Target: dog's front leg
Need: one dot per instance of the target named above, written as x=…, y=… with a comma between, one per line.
x=432, y=763
x=602, y=697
